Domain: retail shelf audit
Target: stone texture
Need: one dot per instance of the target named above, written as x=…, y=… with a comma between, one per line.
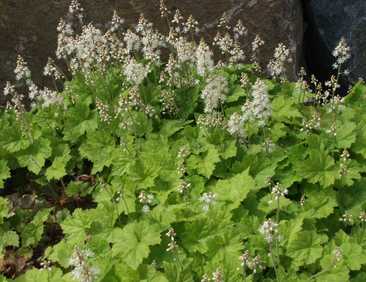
x=28, y=27
x=333, y=19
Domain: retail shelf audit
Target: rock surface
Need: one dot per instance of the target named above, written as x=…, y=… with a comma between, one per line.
x=28, y=27
x=333, y=19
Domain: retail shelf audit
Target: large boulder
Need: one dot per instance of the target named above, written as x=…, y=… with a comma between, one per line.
x=29, y=27
x=330, y=20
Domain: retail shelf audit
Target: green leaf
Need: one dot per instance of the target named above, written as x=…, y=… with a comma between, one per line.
x=41, y=275
x=8, y=238
x=170, y=127
x=318, y=168
x=360, y=277
x=35, y=156
x=228, y=149
x=98, y=148
x=319, y=203
x=353, y=255
x=290, y=229
x=346, y=134
x=238, y=92
x=234, y=190
x=339, y=273
x=356, y=96
x=283, y=109
x=179, y=272
x=278, y=131
x=133, y=241
x=58, y=168
x=60, y=253
x=77, y=225
x=4, y=172
x=206, y=164
x=306, y=247
x=268, y=204
x=4, y=209
x=79, y=120
x=145, y=273
x=353, y=173
x=359, y=146
x=32, y=232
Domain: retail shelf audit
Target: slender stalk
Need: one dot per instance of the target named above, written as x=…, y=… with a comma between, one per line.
x=244, y=273
x=319, y=273
x=273, y=262
x=277, y=221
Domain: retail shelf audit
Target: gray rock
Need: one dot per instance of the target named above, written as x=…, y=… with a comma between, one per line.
x=334, y=19
x=29, y=27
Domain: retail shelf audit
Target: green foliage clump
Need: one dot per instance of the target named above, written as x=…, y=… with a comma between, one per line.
x=98, y=188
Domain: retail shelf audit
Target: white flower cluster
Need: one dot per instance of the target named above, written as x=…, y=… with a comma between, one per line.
x=147, y=200
x=132, y=41
x=9, y=89
x=235, y=125
x=135, y=72
x=216, y=276
x=223, y=22
x=64, y=39
x=185, y=49
x=167, y=100
x=230, y=47
x=46, y=96
x=244, y=80
x=259, y=108
x=82, y=271
x=227, y=43
x=103, y=111
x=255, y=264
x=278, y=192
x=214, y=93
x=184, y=186
x=208, y=199
x=269, y=229
x=344, y=163
x=130, y=101
x=172, y=245
x=190, y=26
x=46, y=265
x=116, y=23
x=204, y=61
x=347, y=219
x=76, y=11
x=211, y=120
x=49, y=97
x=239, y=30
x=342, y=53
x=338, y=255
x=182, y=156
x=362, y=217
x=88, y=48
x=313, y=124
x=277, y=66
x=22, y=72
x=51, y=70
x=150, y=39
x=256, y=44
x=14, y=99
x=164, y=11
